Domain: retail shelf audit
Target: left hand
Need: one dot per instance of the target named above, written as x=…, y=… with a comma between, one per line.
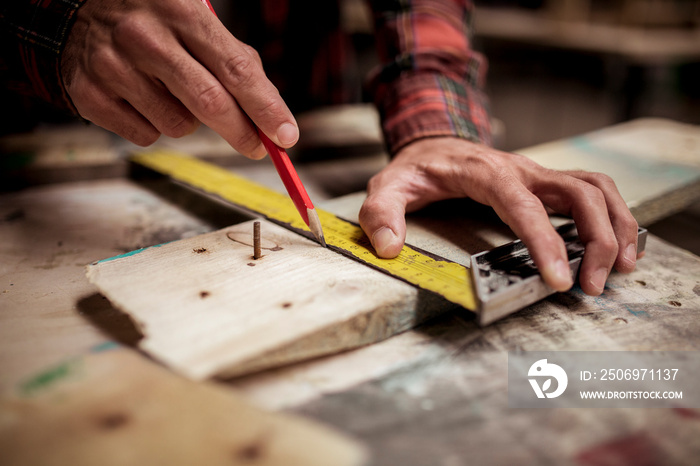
x=140, y=68
x=520, y=191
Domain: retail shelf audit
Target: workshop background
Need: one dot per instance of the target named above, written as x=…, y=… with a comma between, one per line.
x=543, y=91
x=623, y=59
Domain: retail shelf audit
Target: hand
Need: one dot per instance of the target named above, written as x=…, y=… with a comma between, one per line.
x=141, y=68
x=520, y=191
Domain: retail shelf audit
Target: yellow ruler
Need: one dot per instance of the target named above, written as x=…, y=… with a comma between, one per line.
x=446, y=278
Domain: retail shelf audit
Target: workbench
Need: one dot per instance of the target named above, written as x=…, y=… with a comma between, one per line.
x=434, y=395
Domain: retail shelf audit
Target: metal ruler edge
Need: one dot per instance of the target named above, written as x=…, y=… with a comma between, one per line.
x=422, y=269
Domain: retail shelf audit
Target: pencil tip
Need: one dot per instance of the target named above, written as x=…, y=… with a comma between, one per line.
x=315, y=226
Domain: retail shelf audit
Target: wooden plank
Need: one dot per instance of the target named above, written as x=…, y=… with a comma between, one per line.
x=207, y=308
x=113, y=407
x=655, y=308
x=654, y=162
x=48, y=234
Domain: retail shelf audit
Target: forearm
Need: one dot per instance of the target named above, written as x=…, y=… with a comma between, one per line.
x=34, y=34
x=431, y=80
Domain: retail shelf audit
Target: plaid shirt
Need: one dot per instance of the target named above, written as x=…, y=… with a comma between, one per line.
x=429, y=83
x=33, y=34
x=431, y=80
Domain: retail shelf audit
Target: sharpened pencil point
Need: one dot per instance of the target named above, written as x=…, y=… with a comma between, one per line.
x=315, y=226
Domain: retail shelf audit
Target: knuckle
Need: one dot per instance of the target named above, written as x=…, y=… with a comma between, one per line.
x=142, y=31
x=270, y=109
x=609, y=244
x=179, y=126
x=590, y=193
x=387, y=181
x=240, y=70
x=525, y=203
x=213, y=101
x=601, y=179
x=89, y=100
x=183, y=8
x=364, y=213
x=373, y=184
x=628, y=224
x=502, y=178
x=81, y=91
x=132, y=27
x=103, y=64
x=246, y=142
x=140, y=136
x=252, y=52
x=370, y=206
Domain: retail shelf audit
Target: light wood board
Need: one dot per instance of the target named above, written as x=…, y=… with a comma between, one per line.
x=80, y=413
x=654, y=162
x=207, y=308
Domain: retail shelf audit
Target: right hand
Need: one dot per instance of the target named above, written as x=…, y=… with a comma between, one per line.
x=520, y=191
x=143, y=68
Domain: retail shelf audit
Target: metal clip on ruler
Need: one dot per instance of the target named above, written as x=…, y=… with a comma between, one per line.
x=506, y=280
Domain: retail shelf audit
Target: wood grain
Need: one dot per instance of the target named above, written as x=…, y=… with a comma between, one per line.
x=207, y=308
x=81, y=413
x=654, y=162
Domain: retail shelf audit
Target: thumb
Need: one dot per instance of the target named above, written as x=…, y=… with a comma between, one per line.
x=382, y=217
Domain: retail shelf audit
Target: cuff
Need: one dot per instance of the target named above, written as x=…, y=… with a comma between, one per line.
x=38, y=31
x=432, y=94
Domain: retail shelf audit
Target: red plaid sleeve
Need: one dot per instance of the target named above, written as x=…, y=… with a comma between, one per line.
x=431, y=81
x=34, y=32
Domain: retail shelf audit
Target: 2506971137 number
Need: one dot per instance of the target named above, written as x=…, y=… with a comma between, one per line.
x=638, y=374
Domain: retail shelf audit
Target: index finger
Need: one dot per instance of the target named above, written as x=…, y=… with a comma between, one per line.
x=586, y=203
x=238, y=68
x=525, y=214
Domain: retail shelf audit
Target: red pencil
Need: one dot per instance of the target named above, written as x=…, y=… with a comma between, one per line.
x=291, y=180
x=294, y=186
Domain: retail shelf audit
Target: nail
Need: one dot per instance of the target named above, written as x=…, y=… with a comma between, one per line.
x=598, y=279
x=257, y=253
x=383, y=239
x=287, y=134
x=631, y=253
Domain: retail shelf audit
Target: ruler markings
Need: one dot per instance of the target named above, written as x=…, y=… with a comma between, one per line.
x=444, y=277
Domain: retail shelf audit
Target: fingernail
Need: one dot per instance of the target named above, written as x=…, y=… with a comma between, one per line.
x=631, y=253
x=598, y=279
x=287, y=134
x=383, y=240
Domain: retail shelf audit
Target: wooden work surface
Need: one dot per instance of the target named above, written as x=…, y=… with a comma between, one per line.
x=433, y=395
